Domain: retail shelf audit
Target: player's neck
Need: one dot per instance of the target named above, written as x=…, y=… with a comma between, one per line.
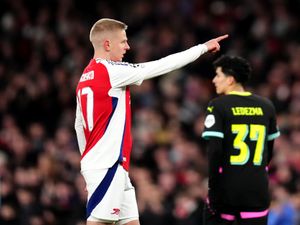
x=101, y=55
x=235, y=88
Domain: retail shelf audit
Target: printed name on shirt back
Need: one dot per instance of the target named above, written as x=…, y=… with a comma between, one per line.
x=87, y=76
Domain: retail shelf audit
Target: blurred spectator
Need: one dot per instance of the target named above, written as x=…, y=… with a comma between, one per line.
x=282, y=211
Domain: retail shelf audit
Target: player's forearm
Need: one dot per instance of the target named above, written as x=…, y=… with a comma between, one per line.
x=79, y=131
x=174, y=61
x=270, y=150
x=80, y=138
x=214, y=154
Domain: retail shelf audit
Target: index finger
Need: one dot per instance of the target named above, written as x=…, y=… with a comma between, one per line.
x=220, y=38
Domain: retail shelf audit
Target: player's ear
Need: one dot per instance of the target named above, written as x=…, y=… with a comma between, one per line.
x=106, y=45
x=231, y=80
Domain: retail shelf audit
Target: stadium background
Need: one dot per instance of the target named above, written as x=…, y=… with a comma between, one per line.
x=44, y=47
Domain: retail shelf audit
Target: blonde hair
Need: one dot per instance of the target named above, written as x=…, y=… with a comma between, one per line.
x=105, y=25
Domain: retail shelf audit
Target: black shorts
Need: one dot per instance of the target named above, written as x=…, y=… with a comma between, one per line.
x=212, y=217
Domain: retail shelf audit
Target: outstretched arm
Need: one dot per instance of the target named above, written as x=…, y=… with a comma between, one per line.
x=123, y=74
x=180, y=59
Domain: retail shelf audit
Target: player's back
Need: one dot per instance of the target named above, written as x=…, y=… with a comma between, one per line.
x=103, y=110
x=247, y=124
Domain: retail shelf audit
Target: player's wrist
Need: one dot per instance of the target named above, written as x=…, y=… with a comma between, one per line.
x=204, y=48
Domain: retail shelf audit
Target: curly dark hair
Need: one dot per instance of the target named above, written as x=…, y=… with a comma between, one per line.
x=235, y=66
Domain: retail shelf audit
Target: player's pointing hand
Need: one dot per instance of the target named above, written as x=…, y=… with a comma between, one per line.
x=213, y=44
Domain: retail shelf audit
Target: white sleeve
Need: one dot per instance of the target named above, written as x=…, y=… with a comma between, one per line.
x=174, y=61
x=79, y=129
x=123, y=74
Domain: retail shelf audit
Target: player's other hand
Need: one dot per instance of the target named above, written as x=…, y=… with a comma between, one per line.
x=213, y=44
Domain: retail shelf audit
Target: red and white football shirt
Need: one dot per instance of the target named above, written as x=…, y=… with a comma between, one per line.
x=103, y=114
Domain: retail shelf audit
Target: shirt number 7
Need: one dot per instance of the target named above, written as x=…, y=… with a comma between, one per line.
x=88, y=102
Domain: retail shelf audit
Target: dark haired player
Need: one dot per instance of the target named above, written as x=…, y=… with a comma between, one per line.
x=240, y=128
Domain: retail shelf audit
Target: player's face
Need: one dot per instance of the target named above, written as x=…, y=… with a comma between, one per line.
x=221, y=81
x=118, y=45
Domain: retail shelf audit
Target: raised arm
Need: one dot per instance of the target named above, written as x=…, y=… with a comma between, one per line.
x=123, y=74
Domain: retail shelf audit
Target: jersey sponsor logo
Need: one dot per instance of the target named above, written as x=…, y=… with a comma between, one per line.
x=116, y=211
x=209, y=121
x=87, y=76
x=247, y=111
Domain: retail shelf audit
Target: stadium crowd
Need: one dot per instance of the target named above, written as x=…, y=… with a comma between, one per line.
x=43, y=48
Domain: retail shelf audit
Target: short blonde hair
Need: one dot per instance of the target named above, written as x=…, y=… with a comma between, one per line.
x=104, y=25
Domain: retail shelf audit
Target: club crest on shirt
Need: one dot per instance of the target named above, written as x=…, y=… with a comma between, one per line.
x=210, y=108
x=209, y=121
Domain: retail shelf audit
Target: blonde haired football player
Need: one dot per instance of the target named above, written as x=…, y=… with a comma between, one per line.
x=103, y=119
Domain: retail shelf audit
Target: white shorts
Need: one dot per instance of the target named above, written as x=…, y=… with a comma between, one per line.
x=111, y=196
